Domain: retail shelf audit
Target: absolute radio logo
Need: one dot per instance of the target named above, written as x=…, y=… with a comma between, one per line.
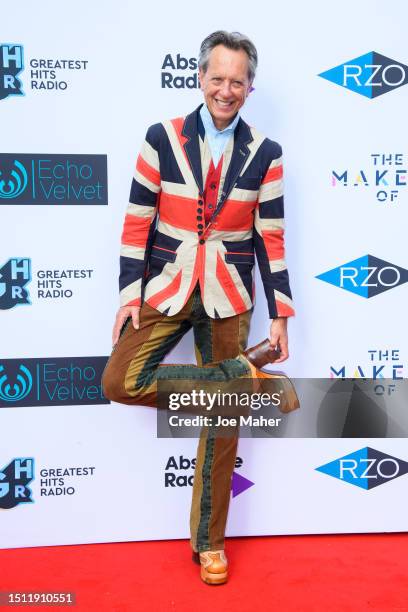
x=384, y=176
x=178, y=472
x=58, y=381
x=179, y=72
x=44, y=74
x=370, y=75
x=366, y=468
x=367, y=276
x=53, y=179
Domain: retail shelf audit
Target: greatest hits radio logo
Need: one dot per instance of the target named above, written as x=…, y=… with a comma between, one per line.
x=45, y=74
x=57, y=481
x=14, y=481
x=11, y=64
x=53, y=284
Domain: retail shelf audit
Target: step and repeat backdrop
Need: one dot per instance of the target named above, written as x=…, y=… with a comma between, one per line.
x=78, y=89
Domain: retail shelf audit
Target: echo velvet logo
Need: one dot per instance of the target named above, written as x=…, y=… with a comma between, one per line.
x=14, y=480
x=53, y=179
x=69, y=381
x=11, y=64
x=370, y=75
x=366, y=468
x=367, y=276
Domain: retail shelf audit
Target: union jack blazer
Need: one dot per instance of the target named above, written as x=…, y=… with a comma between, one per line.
x=164, y=252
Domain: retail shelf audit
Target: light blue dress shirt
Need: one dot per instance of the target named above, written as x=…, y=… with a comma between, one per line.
x=217, y=139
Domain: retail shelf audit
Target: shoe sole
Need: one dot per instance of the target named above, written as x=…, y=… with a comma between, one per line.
x=210, y=578
x=291, y=399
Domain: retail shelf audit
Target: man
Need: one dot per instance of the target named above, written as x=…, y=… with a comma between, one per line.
x=206, y=195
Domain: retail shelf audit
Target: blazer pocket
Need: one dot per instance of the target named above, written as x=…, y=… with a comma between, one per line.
x=247, y=259
x=163, y=254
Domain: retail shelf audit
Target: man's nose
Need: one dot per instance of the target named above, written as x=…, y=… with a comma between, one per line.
x=226, y=89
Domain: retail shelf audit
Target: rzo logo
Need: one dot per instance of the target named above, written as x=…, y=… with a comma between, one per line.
x=14, y=276
x=14, y=479
x=366, y=276
x=366, y=468
x=11, y=64
x=370, y=75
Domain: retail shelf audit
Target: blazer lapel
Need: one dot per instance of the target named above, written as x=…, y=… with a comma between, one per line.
x=240, y=153
x=192, y=147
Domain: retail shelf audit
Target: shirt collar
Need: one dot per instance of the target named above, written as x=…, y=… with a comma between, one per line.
x=209, y=123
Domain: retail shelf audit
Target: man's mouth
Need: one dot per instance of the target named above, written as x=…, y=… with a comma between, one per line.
x=223, y=103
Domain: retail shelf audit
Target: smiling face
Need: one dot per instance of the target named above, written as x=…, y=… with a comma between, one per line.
x=225, y=84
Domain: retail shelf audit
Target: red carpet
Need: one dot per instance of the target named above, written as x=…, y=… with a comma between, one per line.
x=302, y=573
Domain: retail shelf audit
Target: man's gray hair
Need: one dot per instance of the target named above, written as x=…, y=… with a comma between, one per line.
x=231, y=40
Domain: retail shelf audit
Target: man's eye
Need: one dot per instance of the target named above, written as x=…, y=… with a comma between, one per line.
x=216, y=80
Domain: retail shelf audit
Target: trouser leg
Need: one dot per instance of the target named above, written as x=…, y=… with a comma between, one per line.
x=215, y=340
x=131, y=377
x=134, y=368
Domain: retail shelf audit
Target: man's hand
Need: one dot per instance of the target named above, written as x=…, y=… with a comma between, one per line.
x=279, y=337
x=123, y=313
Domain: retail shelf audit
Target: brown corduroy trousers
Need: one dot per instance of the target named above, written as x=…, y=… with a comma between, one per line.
x=134, y=369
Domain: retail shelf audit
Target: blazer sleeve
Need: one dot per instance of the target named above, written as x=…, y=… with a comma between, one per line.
x=269, y=237
x=139, y=220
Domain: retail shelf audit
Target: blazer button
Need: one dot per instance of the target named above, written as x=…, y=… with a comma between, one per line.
x=200, y=226
x=200, y=202
x=202, y=241
x=199, y=218
x=200, y=210
x=200, y=232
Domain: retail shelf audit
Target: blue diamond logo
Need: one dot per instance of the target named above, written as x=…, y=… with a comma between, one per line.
x=370, y=75
x=366, y=276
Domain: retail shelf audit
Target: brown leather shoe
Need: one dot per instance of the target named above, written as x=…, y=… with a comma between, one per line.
x=214, y=566
x=289, y=398
x=261, y=354
x=258, y=356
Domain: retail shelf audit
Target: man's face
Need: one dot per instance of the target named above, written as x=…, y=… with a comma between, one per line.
x=225, y=84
